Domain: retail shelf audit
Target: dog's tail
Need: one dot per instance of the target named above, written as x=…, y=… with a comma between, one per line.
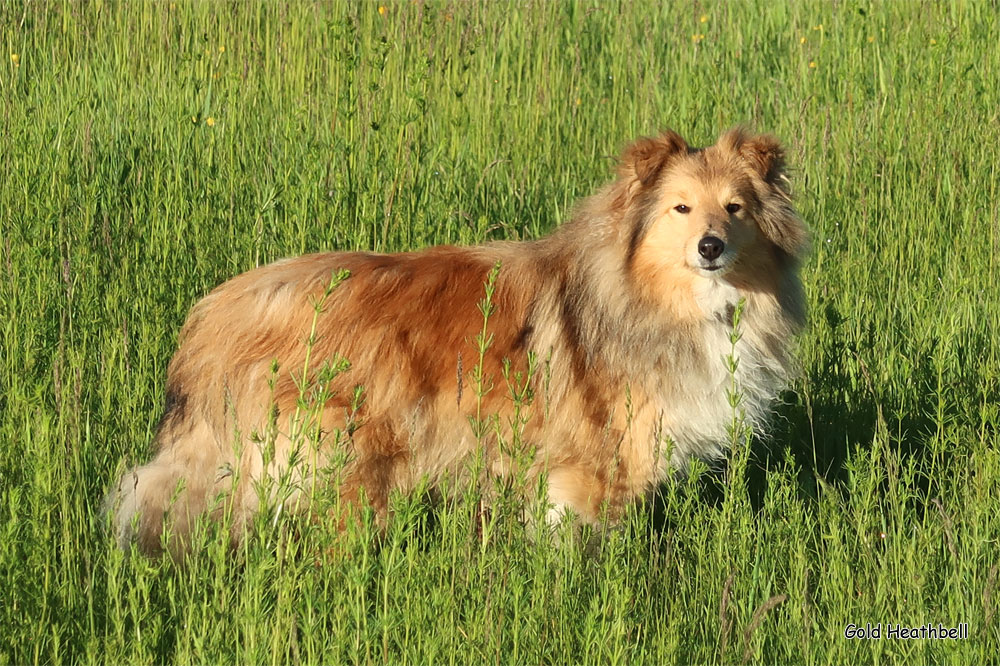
x=157, y=505
x=140, y=502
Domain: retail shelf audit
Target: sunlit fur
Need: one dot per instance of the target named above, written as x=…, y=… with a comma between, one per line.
x=629, y=328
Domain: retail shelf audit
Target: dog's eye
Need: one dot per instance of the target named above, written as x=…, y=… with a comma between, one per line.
x=733, y=208
x=682, y=209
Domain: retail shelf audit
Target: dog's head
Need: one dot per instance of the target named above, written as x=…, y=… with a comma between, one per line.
x=716, y=211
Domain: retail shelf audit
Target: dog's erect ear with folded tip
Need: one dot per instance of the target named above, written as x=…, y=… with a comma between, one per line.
x=644, y=159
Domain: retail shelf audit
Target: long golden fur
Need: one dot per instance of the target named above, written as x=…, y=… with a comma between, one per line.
x=627, y=308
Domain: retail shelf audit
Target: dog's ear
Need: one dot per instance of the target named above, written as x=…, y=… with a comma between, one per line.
x=762, y=152
x=765, y=154
x=776, y=216
x=644, y=159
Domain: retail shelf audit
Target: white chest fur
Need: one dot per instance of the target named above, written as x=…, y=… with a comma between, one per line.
x=698, y=416
x=715, y=296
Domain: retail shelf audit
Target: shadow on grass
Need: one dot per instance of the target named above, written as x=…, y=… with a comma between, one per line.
x=841, y=410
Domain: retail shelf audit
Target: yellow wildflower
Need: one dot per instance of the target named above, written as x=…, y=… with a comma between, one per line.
x=802, y=40
x=812, y=64
x=382, y=10
x=704, y=18
x=222, y=48
x=933, y=42
x=16, y=59
x=210, y=121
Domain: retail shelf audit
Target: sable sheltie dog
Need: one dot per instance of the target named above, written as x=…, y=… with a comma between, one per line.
x=626, y=313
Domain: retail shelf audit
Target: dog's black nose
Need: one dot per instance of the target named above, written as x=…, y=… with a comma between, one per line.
x=711, y=247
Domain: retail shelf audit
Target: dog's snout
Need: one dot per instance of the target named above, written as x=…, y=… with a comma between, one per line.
x=711, y=247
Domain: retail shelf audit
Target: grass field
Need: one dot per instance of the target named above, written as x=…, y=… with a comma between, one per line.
x=150, y=150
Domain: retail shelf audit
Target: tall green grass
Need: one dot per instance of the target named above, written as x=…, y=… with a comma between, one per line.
x=151, y=150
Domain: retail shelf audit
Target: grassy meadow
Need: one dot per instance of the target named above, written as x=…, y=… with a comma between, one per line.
x=150, y=150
